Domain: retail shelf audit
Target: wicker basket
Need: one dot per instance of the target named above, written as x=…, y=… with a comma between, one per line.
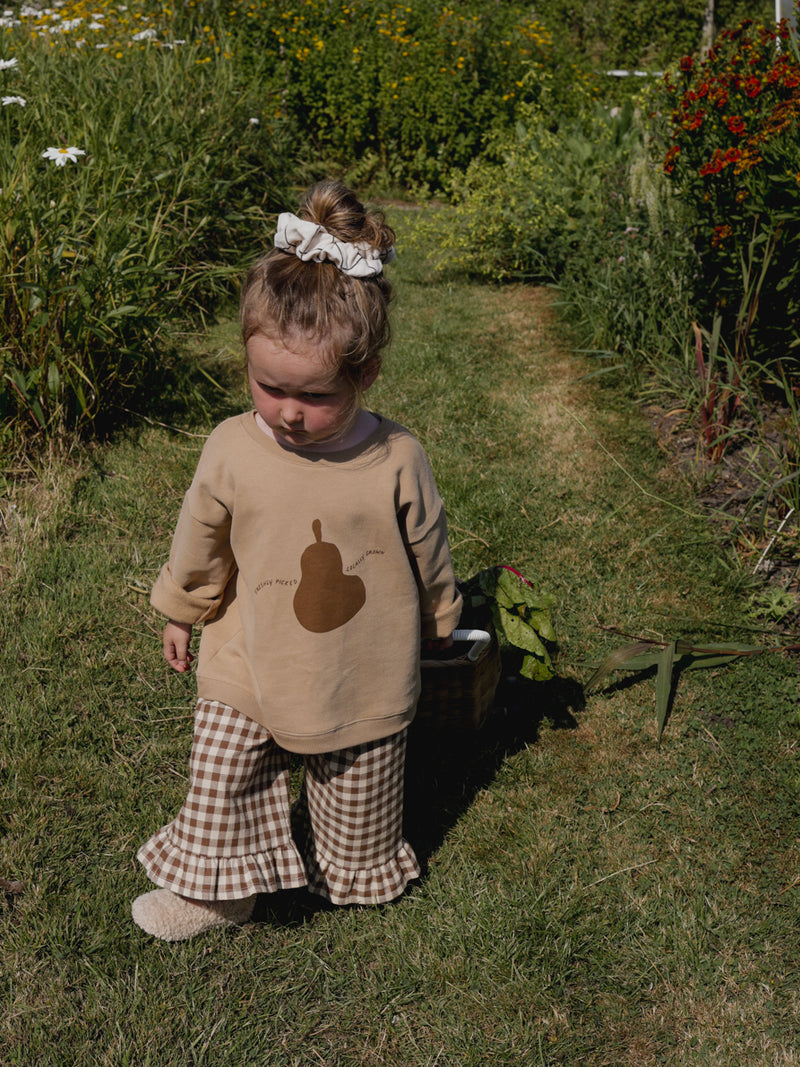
x=457, y=691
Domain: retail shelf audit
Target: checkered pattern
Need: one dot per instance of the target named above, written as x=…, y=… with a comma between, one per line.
x=351, y=818
x=232, y=837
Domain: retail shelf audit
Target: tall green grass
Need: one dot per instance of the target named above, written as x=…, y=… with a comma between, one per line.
x=106, y=258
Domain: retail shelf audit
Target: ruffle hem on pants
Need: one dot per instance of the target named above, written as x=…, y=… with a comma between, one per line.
x=373, y=885
x=220, y=878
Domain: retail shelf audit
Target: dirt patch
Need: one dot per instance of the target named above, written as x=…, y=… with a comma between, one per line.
x=550, y=371
x=737, y=495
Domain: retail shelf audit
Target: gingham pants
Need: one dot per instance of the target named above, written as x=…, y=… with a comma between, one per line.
x=233, y=837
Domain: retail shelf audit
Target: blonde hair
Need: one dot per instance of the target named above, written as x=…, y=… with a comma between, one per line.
x=284, y=297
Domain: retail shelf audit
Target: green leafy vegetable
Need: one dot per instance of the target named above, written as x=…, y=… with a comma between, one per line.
x=520, y=615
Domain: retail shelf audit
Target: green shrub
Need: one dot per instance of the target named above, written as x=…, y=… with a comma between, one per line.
x=627, y=285
x=618, y=33
x=524, y=216
x=583, y=207
x=411, y=91
x=137, y=233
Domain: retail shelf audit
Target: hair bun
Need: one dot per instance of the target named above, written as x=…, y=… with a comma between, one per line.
x=337, y=208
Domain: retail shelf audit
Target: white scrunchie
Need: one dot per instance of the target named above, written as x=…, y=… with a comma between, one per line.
x=309, y=241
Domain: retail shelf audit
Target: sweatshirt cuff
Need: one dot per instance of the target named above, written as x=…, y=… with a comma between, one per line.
x=443, y=622
x=179, y=604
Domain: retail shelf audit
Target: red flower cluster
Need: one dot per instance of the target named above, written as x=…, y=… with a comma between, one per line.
x=720, y=233
x=670, y=157
x=735, y=124
x=733, y=156
x=748, y=89
x=715, y=165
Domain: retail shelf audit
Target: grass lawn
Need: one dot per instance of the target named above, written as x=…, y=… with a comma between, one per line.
x=589, y=897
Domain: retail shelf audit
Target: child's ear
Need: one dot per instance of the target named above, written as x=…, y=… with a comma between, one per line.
x=369, y=372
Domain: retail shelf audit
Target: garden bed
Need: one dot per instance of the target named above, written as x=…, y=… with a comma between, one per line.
x=733, y=494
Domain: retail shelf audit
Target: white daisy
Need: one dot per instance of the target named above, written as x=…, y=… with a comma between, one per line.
x=14, y=100
x=7, y=64
x=60, y=156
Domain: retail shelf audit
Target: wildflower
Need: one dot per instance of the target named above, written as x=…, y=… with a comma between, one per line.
x=255, y=122
x=670, y=157
x=687, y=63
x=60, y=156
x=714, y=166
x=720, y=233
x=7, y=64
x=735, y=124
x=14, y=100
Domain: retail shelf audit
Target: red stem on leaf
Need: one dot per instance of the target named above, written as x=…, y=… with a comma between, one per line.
x=522, y=578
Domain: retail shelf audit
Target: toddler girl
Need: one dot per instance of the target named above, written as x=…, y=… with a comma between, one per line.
x=312, y=546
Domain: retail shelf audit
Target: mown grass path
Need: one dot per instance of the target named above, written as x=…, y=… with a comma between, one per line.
x=589, y=897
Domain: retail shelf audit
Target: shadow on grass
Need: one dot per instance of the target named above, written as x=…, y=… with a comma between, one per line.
x=445, y=770
x=194, y=385
x=203, y=386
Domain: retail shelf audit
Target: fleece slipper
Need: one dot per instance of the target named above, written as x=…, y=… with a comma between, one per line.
x=171, y=918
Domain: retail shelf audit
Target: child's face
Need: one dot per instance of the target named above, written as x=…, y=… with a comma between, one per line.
x=295, y=391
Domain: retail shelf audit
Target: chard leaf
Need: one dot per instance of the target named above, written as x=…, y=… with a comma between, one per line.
x=521, y=615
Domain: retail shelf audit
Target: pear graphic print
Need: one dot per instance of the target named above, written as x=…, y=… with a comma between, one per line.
x=326, y=597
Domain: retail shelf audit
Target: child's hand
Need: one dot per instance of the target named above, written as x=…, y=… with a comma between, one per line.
x=177, y=636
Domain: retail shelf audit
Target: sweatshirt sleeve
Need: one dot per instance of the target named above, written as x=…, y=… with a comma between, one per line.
x=424, y=525
x=191, y=585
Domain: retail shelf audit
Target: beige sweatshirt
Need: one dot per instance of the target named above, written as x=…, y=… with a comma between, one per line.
x=315, y=576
